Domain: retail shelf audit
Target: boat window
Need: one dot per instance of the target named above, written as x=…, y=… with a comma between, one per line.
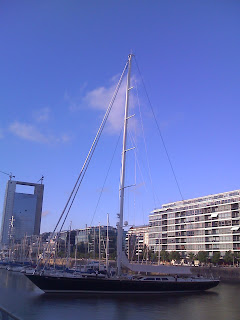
x=164, y=278
x=150, y=279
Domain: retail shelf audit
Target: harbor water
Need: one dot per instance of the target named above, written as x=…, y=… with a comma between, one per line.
x=22, y=299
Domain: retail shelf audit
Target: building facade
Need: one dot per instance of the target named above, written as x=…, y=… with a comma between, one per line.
x=137, y=242
x=209, y=223
x=21, y=212
x=89, y=237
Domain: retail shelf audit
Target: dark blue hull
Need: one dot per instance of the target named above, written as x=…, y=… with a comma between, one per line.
x=106, y=285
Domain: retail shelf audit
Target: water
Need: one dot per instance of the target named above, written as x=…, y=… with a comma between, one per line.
x=21, y=298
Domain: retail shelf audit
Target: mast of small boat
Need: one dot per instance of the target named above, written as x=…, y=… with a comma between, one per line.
x=99, y=246
x=68, y=251
x=120, y=223
x=107, y=244
x=75, y=258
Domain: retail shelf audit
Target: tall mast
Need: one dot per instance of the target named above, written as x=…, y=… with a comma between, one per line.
x=120, y=224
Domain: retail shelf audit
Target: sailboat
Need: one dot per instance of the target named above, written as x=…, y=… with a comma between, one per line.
x=120, y=283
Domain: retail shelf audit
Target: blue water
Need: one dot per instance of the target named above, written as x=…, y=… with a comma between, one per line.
x=20, y=297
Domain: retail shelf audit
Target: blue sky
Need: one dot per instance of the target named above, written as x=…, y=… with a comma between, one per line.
x=59, y=62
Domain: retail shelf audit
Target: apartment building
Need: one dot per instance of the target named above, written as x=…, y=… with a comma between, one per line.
x=136, y=241
x=209, y=223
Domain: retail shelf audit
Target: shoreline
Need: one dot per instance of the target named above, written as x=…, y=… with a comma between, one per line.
x=225, y=274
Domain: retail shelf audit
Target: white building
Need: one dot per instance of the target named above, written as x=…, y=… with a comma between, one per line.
x=137, y=241
x=209, y=223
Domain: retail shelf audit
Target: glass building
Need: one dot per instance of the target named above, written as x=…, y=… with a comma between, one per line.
x=90, y=237
x=209, y=223
x=21, y=212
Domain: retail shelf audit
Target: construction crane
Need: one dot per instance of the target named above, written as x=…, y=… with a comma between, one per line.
x=8, y=174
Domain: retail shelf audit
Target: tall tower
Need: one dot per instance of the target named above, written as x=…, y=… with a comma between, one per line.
x=21, y=212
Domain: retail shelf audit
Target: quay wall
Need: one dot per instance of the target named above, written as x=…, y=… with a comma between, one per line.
x=225, y=274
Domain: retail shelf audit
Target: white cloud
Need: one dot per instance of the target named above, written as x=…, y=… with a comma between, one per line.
x=72, y=102
x=75, y=102
x=42, y=115
x=27, y=132
x=32, y=133
x=64, y=138
x=99, y=98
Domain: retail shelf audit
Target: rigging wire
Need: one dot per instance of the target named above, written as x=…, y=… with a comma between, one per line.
x=110, y=165
x=93, y=147
x=159, y=131
x=79, y=184
x=4, y=173
x=84, y=175
x=145, y=146
x=8, y=174
x=135, y=171
x=137, y=165
x=137, y=160
x=135, y=178
x=85, y=165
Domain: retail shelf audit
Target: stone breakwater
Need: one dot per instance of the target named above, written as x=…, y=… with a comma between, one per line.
x=225, y=274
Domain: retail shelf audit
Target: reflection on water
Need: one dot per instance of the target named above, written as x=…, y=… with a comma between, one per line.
x=19, y=296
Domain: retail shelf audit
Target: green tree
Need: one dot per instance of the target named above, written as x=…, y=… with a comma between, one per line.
x=153, y=256
x=61, y=254
x=216, y=257
x=164, y=255
x=174, y=255
x=202, y=256
x=236, y=257
x=191, y=257
x=228, y=257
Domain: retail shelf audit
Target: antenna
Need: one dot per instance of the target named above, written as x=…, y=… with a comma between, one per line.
x=41, y=179
x=8, y=174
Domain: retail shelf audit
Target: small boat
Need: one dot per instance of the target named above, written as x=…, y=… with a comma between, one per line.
x=105, y=283
x=28, y=270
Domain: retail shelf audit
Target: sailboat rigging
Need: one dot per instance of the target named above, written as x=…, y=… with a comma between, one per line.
x=119, y=283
